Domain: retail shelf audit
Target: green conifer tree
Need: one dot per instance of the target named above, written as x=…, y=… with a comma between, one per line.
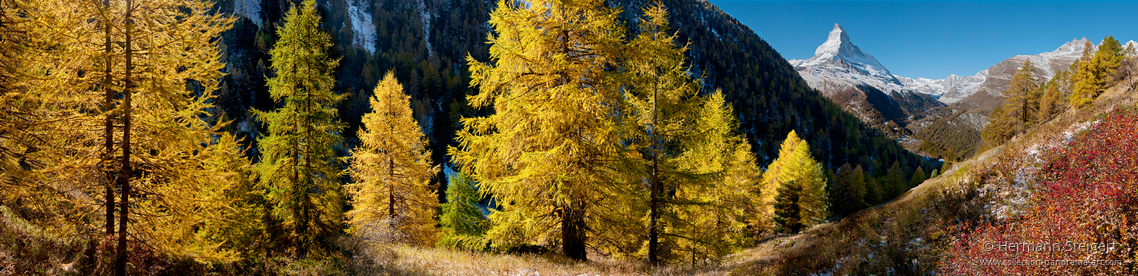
x=299, y=166
x=873, y=193
x=849, y=190
x=919, y=177
x=788, y=213
x=462, y=220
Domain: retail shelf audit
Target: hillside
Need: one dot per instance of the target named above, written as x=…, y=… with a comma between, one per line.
x=245, y=148
x=910, y=234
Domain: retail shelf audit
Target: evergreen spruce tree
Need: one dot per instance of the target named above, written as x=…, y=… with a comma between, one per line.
x=392, y=196
x=873, y=193
x=463, y=223
x=895, y=176
x=849, y=191
x=298, y=164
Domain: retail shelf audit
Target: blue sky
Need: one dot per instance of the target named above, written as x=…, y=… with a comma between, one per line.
x=933, y=39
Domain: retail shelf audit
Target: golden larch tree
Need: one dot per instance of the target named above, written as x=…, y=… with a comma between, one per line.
x=392, y=195
x=794, y=182
x=546, y=153
x=712, y=212
x=135, y=77
x=691, y=157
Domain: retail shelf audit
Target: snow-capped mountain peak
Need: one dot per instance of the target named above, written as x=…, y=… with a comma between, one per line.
x=840, y=61
x=839, y=48
x=1074, y=47
x=837, y=40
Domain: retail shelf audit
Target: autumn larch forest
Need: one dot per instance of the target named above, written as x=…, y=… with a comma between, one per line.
x=187, y=137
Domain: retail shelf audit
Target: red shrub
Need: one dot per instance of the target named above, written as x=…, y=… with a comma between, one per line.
x=1089, y=202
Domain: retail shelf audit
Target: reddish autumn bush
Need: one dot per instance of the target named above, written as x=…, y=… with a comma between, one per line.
x=1083, y=221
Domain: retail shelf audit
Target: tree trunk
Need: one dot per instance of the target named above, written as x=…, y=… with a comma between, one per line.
x=653, y=212
x=391, y=179
x=573, y=232
x=124, y=169
x=108, y=127
x=302, y=223
x=390, y=188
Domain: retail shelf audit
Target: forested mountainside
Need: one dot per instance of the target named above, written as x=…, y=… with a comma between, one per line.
x=429, y=53
x=426, y=43
x=771, y=98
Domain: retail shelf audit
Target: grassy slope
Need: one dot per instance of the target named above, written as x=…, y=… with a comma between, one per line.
x=908, y=235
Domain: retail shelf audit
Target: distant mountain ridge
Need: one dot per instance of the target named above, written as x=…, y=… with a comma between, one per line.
x=939, y=110
x=954, y=130
x=947, y=90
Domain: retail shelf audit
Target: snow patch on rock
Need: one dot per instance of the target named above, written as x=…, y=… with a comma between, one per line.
x=425, y=16
x=363, y=28
x=250, y=9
